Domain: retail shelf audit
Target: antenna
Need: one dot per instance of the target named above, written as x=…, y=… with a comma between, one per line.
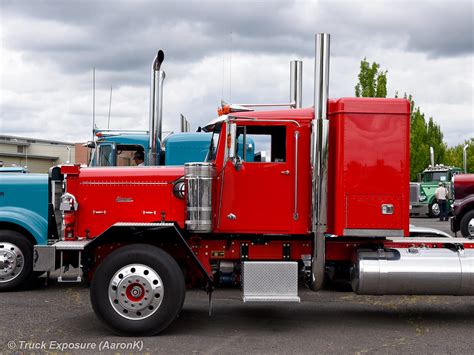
x=93, y=102
x=223, y=77
x=230, y=69
x=110, y=106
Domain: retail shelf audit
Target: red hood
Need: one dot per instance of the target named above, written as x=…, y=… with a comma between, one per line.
x=463, y=186
x=148, y=173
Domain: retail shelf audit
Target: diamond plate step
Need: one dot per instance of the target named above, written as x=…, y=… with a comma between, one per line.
x=270, y=281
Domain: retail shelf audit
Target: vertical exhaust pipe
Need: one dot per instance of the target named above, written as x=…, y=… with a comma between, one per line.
x=432, y=157
x=319, y=158
x=296, y=83
x=464, y=158
x=156, y=107
x=185, y=126
x=183, y=123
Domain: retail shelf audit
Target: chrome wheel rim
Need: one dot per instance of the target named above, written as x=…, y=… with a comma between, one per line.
x=435, y=209
x=136, y=291
x=470, y=227
x=11, y=262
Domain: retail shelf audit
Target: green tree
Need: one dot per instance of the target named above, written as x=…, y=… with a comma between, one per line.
x=419, y=150
x=454, y=155
x=372, y=80
x=423, y=133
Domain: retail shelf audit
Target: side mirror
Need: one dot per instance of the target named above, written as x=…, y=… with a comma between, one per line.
x=237, y=163
x=231, y=135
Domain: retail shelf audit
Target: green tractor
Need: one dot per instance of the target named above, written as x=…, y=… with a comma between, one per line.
x=422, y=193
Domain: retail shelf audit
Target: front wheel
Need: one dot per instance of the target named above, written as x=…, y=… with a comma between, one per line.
x=16, y=260
x=467, y=225
x=434, y=210
x=138, y=290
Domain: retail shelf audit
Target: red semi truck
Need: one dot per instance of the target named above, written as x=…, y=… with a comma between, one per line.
x=316, y=203
x=463, y=206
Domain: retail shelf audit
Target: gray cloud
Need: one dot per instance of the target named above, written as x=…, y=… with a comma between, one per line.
x=119, y=35
x=63, y=41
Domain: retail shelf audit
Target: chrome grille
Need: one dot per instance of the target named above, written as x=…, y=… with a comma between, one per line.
x=56, y=193
x=449, y=187
x=414, y=192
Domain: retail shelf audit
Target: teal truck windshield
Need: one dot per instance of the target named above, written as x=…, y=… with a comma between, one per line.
x=106, y=155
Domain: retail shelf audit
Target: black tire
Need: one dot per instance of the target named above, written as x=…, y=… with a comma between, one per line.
x=157, y=261
x=464, y=225
x=434, y=210
x=16, y=280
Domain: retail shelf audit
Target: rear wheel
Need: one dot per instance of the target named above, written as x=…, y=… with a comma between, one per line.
x=434, y=210
x=467, y=225
x=138, y=290
x=16, y=260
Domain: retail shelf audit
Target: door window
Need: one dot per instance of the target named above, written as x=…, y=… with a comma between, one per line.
x=126, y=152
x=263, y=144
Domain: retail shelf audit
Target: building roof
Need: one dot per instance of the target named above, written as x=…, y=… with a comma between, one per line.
x=29, y=156
x=17, y=140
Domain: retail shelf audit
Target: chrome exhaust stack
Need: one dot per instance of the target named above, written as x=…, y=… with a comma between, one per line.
x=432, y=157
x=156, y=107
x=185, y=126
x=464, y=158
x=296, y=83
x=319, y=158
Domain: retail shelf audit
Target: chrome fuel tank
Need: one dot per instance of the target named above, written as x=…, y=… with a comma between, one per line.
x=414, y=271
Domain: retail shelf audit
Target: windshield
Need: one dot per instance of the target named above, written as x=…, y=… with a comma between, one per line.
x=435, y=176
x=211, y=154
x=106, y=152
x=92, y=161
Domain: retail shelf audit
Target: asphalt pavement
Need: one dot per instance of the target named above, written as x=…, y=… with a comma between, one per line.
x=424, y=221
x=59, y=317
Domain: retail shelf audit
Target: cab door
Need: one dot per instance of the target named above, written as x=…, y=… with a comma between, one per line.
x=257, y=187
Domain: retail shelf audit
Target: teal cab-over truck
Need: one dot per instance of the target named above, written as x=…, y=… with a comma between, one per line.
x=422, y=193
x=24, y=222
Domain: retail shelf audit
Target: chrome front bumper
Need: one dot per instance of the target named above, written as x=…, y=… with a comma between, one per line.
x=418, y=208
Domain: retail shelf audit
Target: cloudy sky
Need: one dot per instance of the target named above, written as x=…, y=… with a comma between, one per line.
x=235, y=50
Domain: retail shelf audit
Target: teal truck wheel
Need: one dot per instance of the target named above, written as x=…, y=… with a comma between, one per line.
x=16, y=260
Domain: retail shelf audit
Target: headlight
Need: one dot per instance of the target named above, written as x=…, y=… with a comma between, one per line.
x=68, y=203
x=422, y=198
x=178, y=189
